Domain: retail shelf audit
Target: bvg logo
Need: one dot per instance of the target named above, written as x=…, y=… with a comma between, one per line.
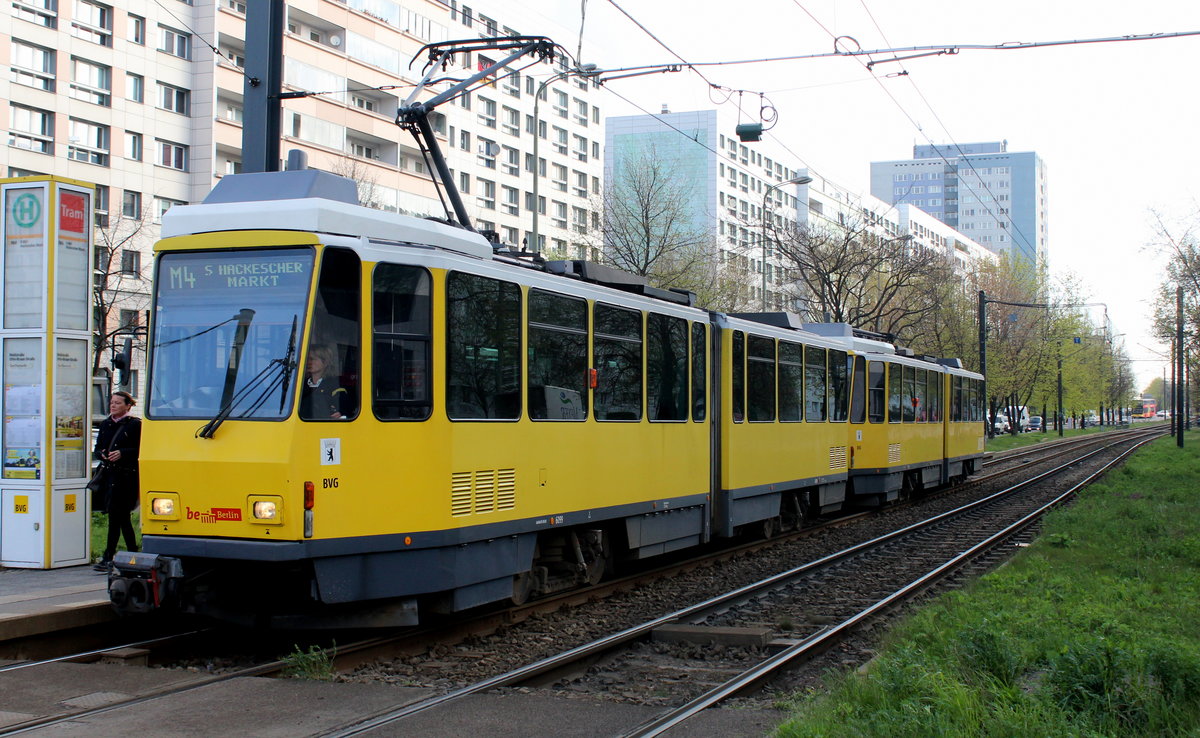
x=215, y=514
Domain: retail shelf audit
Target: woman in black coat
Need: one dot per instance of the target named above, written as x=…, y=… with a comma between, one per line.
x=117, y=444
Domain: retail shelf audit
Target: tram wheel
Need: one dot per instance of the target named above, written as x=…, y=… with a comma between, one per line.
x=597, y=557
x=522, y=587
x=770, y=527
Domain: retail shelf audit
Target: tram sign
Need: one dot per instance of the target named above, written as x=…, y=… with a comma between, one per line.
x=27, y=209
x=221, y=272
x=71, y=212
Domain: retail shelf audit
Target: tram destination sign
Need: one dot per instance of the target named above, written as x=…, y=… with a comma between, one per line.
x=223, y=271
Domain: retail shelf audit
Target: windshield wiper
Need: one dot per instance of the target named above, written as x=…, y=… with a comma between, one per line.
x=244, y=316
x=288, y=358
x=278, y=371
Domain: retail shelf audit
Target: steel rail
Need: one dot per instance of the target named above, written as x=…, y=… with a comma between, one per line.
x=768, y=667
x=98, y=651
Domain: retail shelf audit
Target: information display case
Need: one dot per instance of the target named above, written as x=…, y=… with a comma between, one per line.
x=45, y=341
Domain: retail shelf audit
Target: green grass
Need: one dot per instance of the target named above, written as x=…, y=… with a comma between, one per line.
x=100, y=533
x=314, y=663
x=1092, y=631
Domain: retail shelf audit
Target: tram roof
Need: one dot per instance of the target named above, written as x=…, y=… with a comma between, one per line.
x=320, y=215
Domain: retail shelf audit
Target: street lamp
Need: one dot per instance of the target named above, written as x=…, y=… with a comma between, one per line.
x=583, y=70
x=801, y=180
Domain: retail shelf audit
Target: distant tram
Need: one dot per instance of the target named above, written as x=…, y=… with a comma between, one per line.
x=1146, y=407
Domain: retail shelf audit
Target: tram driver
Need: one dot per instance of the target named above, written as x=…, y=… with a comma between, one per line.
x=323, y=397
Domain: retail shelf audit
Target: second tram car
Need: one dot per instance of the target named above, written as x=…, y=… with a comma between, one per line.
x=1146, y=407
x=356, y=417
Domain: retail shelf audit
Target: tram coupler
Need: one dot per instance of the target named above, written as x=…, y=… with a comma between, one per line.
x=143, y=582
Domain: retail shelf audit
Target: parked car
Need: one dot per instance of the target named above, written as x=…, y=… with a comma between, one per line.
x=1001, y=424
x=1035, y=424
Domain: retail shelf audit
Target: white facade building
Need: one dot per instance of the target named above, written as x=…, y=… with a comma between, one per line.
x=129, y=95
x=830, y=203
x=733, y=185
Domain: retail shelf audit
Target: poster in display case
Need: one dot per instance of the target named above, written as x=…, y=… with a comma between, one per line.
x=22, y=408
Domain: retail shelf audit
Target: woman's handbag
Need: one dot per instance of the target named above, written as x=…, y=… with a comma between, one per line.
x=98, y=488
x=99, y=478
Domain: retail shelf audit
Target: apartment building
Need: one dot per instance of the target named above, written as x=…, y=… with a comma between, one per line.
x=983, y=190
x=145, y=99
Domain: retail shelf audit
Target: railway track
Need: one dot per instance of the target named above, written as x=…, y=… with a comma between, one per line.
x=943, y=560
x=567, y=665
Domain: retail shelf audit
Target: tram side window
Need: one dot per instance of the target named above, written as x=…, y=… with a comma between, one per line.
x=699, y=372
x=666, y=368
x=910, y=389
x=617, y=357
x=935, y=396
x=330, y=387
x=815, y=384
x=876, y=393
x=978, y=404
x=760, y=371
x=791, y=382
x=738, y=377
x=858, y=391
x=895, y=393
x=402, y=335
x=483, y=360
x=921, y=394
x=839, y=385
x=956, y=391
x=557, y=357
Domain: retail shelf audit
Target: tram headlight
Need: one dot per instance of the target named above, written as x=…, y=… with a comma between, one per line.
x=265, y=509
x=163, y=505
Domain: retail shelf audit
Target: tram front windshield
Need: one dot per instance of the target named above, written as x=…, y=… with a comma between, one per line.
x=227, y=333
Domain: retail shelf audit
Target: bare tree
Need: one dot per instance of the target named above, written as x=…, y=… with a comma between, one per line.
x=655, y=225
x=364, y=178
x=1183, y=271
x=121, y=286
x=650, y=225
x=848, y=273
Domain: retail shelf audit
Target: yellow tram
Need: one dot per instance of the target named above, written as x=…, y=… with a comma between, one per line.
x=355, y=417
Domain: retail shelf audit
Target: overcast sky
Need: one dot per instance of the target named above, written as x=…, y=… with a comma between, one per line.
x=1114, y=123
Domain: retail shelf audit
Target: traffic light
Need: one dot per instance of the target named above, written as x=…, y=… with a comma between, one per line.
x=121, y=362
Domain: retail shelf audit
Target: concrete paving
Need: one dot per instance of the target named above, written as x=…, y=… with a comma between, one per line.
x=290, y=707
x=34, y=601
x=537, y=715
